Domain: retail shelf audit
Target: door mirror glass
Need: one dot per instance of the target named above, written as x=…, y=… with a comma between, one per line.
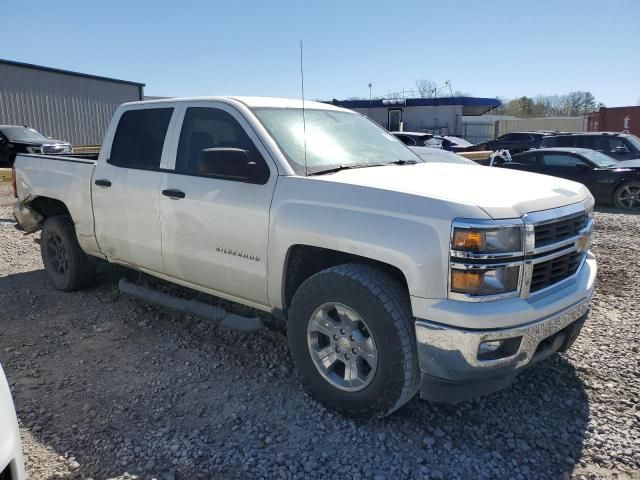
x=230, y=163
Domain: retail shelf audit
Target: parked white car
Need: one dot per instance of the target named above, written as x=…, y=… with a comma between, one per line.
x=11, y=462
x=393, y=275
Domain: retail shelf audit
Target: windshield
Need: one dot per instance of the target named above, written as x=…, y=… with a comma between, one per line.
x=333, y=139
x=600, y=159
x=15, y=134
x=433, y=142
x=635, y=141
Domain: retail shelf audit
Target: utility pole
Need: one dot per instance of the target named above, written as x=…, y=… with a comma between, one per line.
x=370, y=85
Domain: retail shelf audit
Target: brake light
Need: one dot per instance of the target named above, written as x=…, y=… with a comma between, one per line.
x=13, y=182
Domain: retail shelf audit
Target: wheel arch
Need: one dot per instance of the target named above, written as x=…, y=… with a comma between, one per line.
x=303, y=261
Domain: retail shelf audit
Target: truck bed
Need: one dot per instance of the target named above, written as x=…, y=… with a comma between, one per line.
x=47, y=179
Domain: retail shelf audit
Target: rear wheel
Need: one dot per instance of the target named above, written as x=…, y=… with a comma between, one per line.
x=627, y=196
x=67, y=266
x=352, y=339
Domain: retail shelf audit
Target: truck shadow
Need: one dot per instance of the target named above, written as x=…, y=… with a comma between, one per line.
x=127, y=387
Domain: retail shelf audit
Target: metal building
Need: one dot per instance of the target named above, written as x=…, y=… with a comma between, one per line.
x=435, y=115
x=65, y=105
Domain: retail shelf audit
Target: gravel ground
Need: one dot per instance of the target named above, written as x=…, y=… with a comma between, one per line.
x=109, y=387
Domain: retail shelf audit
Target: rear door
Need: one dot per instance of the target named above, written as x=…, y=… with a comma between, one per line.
x=126, y=188
x=215, y=225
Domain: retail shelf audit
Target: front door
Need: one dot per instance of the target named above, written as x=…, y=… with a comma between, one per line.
x=395, y=119
x=126, y=189
x=215, y=225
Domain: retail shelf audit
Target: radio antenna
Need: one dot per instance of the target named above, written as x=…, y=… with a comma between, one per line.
x=304, y=121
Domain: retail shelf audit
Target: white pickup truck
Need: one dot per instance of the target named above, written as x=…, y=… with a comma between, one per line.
x=393, y=274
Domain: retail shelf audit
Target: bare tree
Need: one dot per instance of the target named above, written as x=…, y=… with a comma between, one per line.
x=427, y=88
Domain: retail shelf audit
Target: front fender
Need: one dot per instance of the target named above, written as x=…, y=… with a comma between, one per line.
x=409, y=232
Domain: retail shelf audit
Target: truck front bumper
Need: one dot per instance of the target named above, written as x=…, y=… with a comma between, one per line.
x=458, y=364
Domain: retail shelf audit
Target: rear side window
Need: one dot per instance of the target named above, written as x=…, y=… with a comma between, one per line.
x=525, y=159
x=139, y=138
x=559, y=160
x=210, y=128
x=405, y=139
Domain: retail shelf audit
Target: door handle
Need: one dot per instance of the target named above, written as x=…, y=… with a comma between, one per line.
x=173, y=194
x=103, y=183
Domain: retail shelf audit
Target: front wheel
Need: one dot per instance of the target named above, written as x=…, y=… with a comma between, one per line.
x=67, y=266
x=627, y=196
x=352, y=339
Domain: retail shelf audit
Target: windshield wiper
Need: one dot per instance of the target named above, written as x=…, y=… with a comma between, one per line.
x=404, y=162
x=345, y=167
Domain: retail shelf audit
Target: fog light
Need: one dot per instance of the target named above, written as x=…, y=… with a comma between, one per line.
x=488, y=347
x=496, y=349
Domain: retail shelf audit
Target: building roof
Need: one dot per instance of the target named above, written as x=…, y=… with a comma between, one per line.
x=67, y=72
x=470, y=105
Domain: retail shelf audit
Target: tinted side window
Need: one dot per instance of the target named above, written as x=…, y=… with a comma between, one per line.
x=525, y=159
x=205, y=128
x=139, y=138
x=565, y=142
x=521, y=137
x=506, y=138
x=559, y=160
x=405, y=139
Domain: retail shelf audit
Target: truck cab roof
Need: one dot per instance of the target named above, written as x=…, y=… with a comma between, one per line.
x=250, y=102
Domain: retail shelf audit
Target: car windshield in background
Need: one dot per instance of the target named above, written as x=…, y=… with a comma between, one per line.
x=333, y=139
x=600, y=159
x=432, y=155
x=459, y=141
x=635, y=141
x=16, y=134
x=432, y=142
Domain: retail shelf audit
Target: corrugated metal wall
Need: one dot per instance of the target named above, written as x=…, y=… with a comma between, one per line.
x=566, y=124
x=62, y=106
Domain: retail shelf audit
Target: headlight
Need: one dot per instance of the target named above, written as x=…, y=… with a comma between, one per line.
x=490, y=240
x=485, y=281
x=34, y=149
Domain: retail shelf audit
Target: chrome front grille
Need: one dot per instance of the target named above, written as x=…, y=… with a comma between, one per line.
x=550, y=272
x=556, y=231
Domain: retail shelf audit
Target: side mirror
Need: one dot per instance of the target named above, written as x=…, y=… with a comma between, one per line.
x=621, y=149
x=232, y=164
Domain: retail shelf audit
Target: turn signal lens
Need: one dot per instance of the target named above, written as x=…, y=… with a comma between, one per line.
x=469, y=240
x=490, y=240
x=485, y=282
x=463, y=281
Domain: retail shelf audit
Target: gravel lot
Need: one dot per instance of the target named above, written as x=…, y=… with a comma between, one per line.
x=107, y=386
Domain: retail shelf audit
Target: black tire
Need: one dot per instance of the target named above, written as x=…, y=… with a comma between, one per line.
x=67, y=266
x=384, y=305
x=632, y=205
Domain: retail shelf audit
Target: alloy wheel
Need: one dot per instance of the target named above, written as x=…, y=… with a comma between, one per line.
x=342, y=347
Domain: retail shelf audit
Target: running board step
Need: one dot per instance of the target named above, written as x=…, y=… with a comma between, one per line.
x=216, y=314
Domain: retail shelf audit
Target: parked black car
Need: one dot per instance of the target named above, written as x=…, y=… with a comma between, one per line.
x=21, y=139
x=515, y=142
x=453, y=144
x=619, y=146
x=417, y=139
x=610, y=181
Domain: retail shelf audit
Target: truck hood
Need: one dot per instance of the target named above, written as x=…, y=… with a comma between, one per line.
x=499, y=192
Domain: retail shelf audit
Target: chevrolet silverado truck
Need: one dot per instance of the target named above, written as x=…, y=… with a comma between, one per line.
x=392, y=274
